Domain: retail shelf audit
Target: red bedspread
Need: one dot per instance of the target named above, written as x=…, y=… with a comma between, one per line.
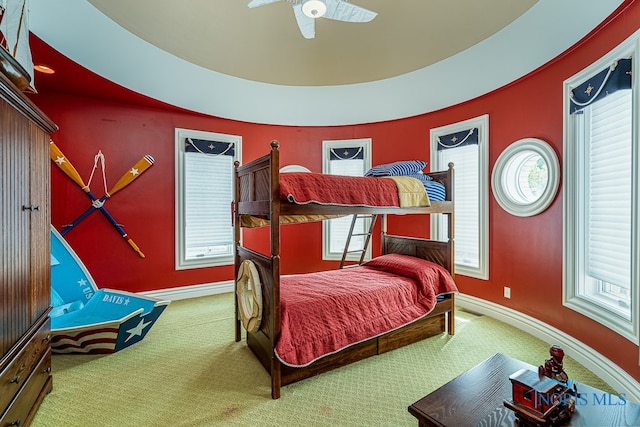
x=327, y=311
x=303, y=188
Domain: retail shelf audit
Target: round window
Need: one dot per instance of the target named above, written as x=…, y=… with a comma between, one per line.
x=293, y=168
x=525, y=177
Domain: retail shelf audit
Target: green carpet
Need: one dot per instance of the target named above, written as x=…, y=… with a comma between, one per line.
x=189, y=371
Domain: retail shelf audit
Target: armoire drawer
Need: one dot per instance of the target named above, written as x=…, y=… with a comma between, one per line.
x=22, y=409
x=13, y=377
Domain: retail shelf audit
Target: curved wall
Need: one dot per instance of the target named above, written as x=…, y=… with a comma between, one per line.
x=525, y=252
x=101, y=45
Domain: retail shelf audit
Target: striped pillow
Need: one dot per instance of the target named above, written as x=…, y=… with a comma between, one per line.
x=435, y=191
x=421, y=176
x=401, y=168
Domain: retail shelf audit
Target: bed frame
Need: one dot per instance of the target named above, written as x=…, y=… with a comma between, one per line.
x=257, y=193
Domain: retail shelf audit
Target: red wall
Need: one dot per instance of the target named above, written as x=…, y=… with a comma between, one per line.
x=525, y=253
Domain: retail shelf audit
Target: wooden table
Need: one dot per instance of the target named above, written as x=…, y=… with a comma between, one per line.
x=476, y=398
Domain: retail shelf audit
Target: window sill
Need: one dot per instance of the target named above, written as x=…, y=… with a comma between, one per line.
x=605, y=317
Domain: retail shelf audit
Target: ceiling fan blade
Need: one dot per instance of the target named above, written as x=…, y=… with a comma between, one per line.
x=339, y=10
x=256, y=3
x=307, y=25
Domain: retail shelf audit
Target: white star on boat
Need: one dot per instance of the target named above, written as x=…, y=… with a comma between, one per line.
x=137, y=331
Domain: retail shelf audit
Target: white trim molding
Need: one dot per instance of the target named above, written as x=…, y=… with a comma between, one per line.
x=437, y=221
x=193, y=291
x=506, y=175
x=581, y=291
x=608, y=371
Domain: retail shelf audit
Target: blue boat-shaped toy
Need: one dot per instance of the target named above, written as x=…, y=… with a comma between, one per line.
x=85, y=319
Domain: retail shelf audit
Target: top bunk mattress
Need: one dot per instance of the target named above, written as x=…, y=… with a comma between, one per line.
x=337, y=190
x=305, y=188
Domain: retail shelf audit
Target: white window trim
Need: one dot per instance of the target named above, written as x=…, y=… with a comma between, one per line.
x=499, y=187
x=482, y=123
x=326, y=146
x=180, y=135
x=571, y=297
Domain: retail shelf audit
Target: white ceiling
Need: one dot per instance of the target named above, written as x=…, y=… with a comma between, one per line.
x=221, y=58
x=264, y=44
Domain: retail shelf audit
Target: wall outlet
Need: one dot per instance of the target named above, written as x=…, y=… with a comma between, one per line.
x=507, y=292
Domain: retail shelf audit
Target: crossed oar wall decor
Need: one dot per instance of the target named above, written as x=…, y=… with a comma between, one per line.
x=67, y=168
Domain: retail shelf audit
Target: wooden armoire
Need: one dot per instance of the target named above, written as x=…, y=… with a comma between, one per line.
x=25, y=351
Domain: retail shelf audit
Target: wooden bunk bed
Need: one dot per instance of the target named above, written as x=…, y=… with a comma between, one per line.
x=258, y=195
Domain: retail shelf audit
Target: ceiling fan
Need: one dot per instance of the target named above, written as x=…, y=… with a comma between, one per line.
x=307, y=11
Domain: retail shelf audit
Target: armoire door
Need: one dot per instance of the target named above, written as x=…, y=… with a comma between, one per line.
x=15, y=316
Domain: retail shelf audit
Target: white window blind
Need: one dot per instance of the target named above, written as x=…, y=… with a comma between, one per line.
x=204, y=191
x=466, y=145
x=208, y=195
x=609, y=202
x=349, y=157
x=600, y=198
x=339, y=227
x=467, y=199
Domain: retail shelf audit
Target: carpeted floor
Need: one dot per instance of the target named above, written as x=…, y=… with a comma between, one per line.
x=189, y=371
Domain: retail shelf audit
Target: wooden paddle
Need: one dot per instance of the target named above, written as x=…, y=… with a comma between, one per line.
x=141, y=165
x=63, y=163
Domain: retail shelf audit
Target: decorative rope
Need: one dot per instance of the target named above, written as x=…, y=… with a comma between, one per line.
x=98, y=158
x=612, y=67
x=458, y=144
x=229, y=147
x=347, y=158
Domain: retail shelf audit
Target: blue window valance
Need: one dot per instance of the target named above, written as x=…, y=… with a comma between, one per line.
x=606, y=82
x=458, y=139
x=215, y=148
x=347, y=153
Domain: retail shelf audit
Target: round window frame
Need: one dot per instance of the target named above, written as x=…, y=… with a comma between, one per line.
x=293, y=168
x=506, y=202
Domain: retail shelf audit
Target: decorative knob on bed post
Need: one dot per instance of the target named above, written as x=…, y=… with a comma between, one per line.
x=275, y=144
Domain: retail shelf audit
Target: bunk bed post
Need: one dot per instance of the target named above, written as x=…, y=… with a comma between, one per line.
x=276, y=367
x=451, y=237
x=235, y=218
x=383, y=229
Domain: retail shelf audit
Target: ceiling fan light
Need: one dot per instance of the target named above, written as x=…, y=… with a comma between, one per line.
x=314, y=8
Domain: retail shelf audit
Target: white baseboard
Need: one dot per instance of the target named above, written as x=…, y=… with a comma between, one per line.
x=608, y=371
x=193, y=291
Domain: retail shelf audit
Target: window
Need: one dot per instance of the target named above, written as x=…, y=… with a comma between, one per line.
x=351, y=157
x=525, y=177
x=204, y=191
x=601, y=197
x=465, y=144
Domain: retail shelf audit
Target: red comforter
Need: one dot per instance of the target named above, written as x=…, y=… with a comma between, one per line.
x=303, y=188
x=327, y=311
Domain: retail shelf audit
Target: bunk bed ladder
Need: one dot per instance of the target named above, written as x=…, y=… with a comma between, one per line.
x=366, y=235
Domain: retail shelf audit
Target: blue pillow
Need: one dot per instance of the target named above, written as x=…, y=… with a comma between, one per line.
x=422, y=177
x=401, y=168
x=435, y=191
